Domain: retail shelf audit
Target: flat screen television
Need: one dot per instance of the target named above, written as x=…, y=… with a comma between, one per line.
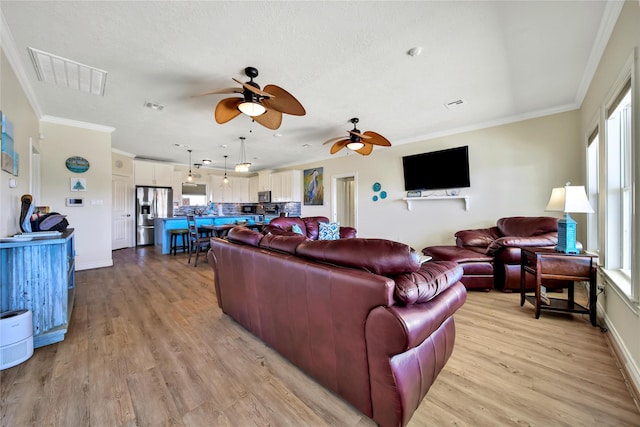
x=437, y=170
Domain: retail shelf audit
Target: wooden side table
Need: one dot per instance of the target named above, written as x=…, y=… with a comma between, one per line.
x=548, y=264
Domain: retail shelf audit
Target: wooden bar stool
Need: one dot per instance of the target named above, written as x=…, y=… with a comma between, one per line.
x=173, y=239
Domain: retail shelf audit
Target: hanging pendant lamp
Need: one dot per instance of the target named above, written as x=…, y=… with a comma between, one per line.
x=190, y=177
x=243, y=166
x=225, y=180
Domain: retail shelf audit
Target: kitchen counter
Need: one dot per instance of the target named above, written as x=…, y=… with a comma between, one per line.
x=163, y=225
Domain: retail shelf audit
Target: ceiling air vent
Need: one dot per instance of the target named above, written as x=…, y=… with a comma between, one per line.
x=64, y=72
x=455, y=104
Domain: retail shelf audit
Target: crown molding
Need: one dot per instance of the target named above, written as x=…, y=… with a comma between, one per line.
x=607, y=24
x=77, y=124
x=124, y=153
x=13, y=56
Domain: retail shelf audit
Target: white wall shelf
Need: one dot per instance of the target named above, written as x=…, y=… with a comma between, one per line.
x=419, y=199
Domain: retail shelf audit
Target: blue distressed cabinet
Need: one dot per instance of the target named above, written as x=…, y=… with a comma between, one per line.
x=39, y=275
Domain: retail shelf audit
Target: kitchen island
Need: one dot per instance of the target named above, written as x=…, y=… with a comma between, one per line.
x=163, y=225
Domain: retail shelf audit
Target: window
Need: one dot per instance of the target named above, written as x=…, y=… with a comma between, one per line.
x=593, y=164
x=194, y=194
x=619, y=184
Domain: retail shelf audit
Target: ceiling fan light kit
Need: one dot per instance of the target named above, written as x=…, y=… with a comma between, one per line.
x=361, y=143
x=265, y=106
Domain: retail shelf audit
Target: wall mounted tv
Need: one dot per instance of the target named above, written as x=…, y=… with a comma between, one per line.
x=437, y=170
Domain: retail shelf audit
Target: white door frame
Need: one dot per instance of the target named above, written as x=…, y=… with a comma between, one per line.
x=125, y=217
x=334, y=196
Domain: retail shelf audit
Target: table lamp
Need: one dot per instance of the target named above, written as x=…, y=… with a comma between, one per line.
x=568, y=199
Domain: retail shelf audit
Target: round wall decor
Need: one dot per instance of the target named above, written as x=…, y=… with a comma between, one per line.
x=77, y=164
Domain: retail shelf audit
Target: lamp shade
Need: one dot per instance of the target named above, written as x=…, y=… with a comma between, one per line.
x=251, y=108
x=355, y=145
x=570, y=198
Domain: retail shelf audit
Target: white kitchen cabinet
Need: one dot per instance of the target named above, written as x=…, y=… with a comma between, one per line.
x=152, y=173
x=286, y=186
x=177, y=187
x=240, y=189
x=264, y=180
x=254, y=187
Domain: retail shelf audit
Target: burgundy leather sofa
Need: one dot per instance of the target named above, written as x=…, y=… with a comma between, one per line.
x=308, y=225
x=362, y=317
x=490, y=257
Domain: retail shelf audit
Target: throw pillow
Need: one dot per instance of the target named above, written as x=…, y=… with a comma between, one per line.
x=329, y=231
x=296, y=229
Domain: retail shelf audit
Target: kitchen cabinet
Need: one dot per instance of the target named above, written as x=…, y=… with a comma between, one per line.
x=176, y=185
x=264, y=180
x=254, y=187
x=40, y=275
x=152, y=173
x=236, y=191
x=286, y=186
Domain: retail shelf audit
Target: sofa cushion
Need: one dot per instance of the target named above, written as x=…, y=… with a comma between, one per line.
x=329, y=231
x=526, y=226
x=313, y=226
x=379, y=256
x=281, y=242
x=244, y=235
x=430, y=280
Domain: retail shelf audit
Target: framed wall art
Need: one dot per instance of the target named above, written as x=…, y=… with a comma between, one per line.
x=78, y=184
x=313, y=187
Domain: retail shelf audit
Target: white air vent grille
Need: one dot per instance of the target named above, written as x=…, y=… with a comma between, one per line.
x=455, y=104
x=64, y=72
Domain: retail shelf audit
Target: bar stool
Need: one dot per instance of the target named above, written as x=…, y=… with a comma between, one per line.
x=173, y=239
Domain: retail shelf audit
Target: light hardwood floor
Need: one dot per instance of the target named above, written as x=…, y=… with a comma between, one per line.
x=148, y=346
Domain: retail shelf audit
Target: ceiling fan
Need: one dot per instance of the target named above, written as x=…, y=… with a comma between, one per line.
x=361, y=143
x=265, y=106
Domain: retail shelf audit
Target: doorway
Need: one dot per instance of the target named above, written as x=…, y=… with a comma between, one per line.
x=344, y=195
x=121, y=218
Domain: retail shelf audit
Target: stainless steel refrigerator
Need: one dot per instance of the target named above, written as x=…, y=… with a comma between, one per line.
x=151, y=203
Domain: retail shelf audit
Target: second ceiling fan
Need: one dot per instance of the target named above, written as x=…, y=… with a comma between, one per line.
x=265, y=106
x=361, y=143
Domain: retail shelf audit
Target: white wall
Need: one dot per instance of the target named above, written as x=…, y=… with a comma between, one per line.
x=15, y=105
x=512, y=167
x=623, y=319
x=92, y=222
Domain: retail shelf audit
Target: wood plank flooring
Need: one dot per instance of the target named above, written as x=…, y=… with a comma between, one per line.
x=148, y=346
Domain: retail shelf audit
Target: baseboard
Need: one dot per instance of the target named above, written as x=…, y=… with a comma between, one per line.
x=625, y=362
x=94, y=264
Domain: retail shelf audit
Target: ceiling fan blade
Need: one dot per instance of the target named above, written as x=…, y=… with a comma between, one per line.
x=377, y=139
x=283, y=101
x=226, y=90
x=329, y=141
x=361, y=135
x=227, y=109
x=339, y=145
x=253, y=89
x=366, y=150
x=271, y=119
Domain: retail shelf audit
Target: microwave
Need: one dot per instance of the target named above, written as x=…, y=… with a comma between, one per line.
x=249, y=209
x=264, y=196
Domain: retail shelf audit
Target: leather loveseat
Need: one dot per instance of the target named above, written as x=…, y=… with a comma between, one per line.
x=362, y=317
x=309, y=226
x=490, y=257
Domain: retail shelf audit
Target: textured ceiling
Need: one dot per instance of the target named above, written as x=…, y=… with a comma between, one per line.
x=506, y=59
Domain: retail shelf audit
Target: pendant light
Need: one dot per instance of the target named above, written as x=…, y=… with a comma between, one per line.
x=225, y=180
x=243, y=166
x=190, y=177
